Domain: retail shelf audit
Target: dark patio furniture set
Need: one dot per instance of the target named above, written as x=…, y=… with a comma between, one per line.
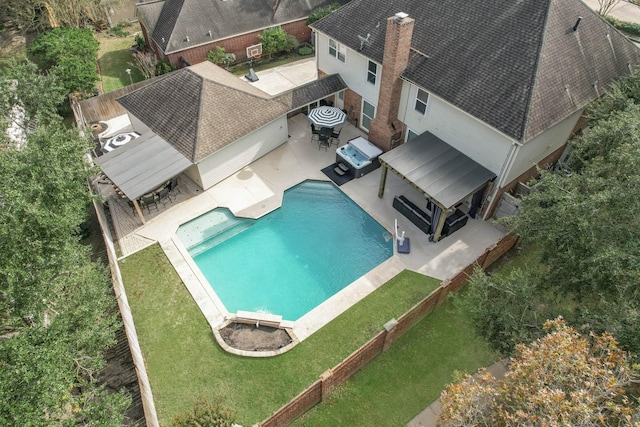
x=325, y=136
x=422, y=219
x=164, y=194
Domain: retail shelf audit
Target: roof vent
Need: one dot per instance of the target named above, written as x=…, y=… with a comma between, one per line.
x=187, y=38
x=575, y=27
x=209, y=33
x=163, y=40
x=400, y=16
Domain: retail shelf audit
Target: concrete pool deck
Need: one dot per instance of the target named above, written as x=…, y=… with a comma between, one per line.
x=257, y=190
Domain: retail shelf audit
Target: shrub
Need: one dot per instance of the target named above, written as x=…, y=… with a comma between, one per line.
x=321, y=12
x=220, y=56
x=292, y=43
x=164, y=67
x=119, y=30
x=628, y=27
x=217, y=55
x=140, y=42
x=205, y=413
x=305, y=50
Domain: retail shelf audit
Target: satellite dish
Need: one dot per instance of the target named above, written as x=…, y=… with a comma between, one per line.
x=363, y=40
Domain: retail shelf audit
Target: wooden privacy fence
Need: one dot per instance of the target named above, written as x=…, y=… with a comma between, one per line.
x=102, y=107
x=148, y=405
x=394, y=329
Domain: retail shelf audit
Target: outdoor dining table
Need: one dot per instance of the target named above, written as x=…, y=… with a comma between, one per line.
x=326, y=132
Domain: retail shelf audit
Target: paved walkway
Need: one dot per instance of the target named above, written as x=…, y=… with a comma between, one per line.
x=429, y=417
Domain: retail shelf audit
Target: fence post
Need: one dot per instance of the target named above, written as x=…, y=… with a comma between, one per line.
x=327, y=384
x=388, y=336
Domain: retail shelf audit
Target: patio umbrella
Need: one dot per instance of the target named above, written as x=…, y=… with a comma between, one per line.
x=326, y=116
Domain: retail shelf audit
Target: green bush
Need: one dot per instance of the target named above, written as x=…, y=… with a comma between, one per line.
x=140, y=42
x=119, y=30
x=216, y=55
x=305, y=50
x=630, y=28
x=292, y=43
x=205, y=413
x=164, y=67
x=321, y=12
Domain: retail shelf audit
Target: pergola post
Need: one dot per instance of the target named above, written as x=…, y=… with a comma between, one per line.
x=139, y=211
x=443, y=217
x=383, y=180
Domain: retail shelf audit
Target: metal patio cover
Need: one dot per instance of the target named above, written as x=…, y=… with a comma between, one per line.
x=437, y=169
x=142, y=165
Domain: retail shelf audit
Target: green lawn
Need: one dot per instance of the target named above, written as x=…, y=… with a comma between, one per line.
x=401, y=382
x=114, y=58
x=185, y=363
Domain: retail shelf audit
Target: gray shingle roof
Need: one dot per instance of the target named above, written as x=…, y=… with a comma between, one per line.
x=516, y=65
x=312, y=91
x=178, y=19
x=202, y=108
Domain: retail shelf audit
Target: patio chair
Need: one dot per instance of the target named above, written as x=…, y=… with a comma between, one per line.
x=315, y=133
x=324, y=143
x=163, y=195
x=335, y=137
x=148, y=201
x=173, y=186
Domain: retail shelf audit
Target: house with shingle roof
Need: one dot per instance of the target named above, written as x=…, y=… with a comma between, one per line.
x=184, y=31
x=205, y=122
x=502, y=82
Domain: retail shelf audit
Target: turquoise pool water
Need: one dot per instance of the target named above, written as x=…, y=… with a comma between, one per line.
x=291, y=260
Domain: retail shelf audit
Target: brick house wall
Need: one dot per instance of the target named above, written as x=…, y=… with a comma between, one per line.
x=236, y=45
x=385, y=127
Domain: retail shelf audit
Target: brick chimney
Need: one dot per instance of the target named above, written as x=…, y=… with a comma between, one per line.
x=386, y=126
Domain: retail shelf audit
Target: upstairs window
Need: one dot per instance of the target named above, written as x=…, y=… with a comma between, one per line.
x=337, y=50
x=421, y=101
x=372, y=72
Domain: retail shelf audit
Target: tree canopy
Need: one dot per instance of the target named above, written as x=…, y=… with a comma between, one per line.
x=274, y=40
x=39, y=15
x=582, y=220
x=57, y=313
x=70, y=54
x=28, y=97
x=561, y=379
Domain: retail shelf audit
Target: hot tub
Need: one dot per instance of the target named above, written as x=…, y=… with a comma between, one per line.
x=359, y=155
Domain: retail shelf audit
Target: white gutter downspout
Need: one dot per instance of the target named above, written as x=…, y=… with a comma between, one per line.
x=506, y=168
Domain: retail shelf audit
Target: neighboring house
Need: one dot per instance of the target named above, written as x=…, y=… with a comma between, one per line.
x=184, y=31
x=205, y=122
x=502, y=82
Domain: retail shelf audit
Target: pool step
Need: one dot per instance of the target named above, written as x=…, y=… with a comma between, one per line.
x=317, y=190
x=209, y=226
x=234, y=228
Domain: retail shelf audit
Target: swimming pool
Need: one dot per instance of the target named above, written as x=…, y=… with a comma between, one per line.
x=292, y=259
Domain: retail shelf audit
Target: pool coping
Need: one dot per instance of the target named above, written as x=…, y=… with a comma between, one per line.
x=217, y=315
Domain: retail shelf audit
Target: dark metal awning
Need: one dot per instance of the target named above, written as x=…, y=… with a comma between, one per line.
x=440, y=171
x=142, y=164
